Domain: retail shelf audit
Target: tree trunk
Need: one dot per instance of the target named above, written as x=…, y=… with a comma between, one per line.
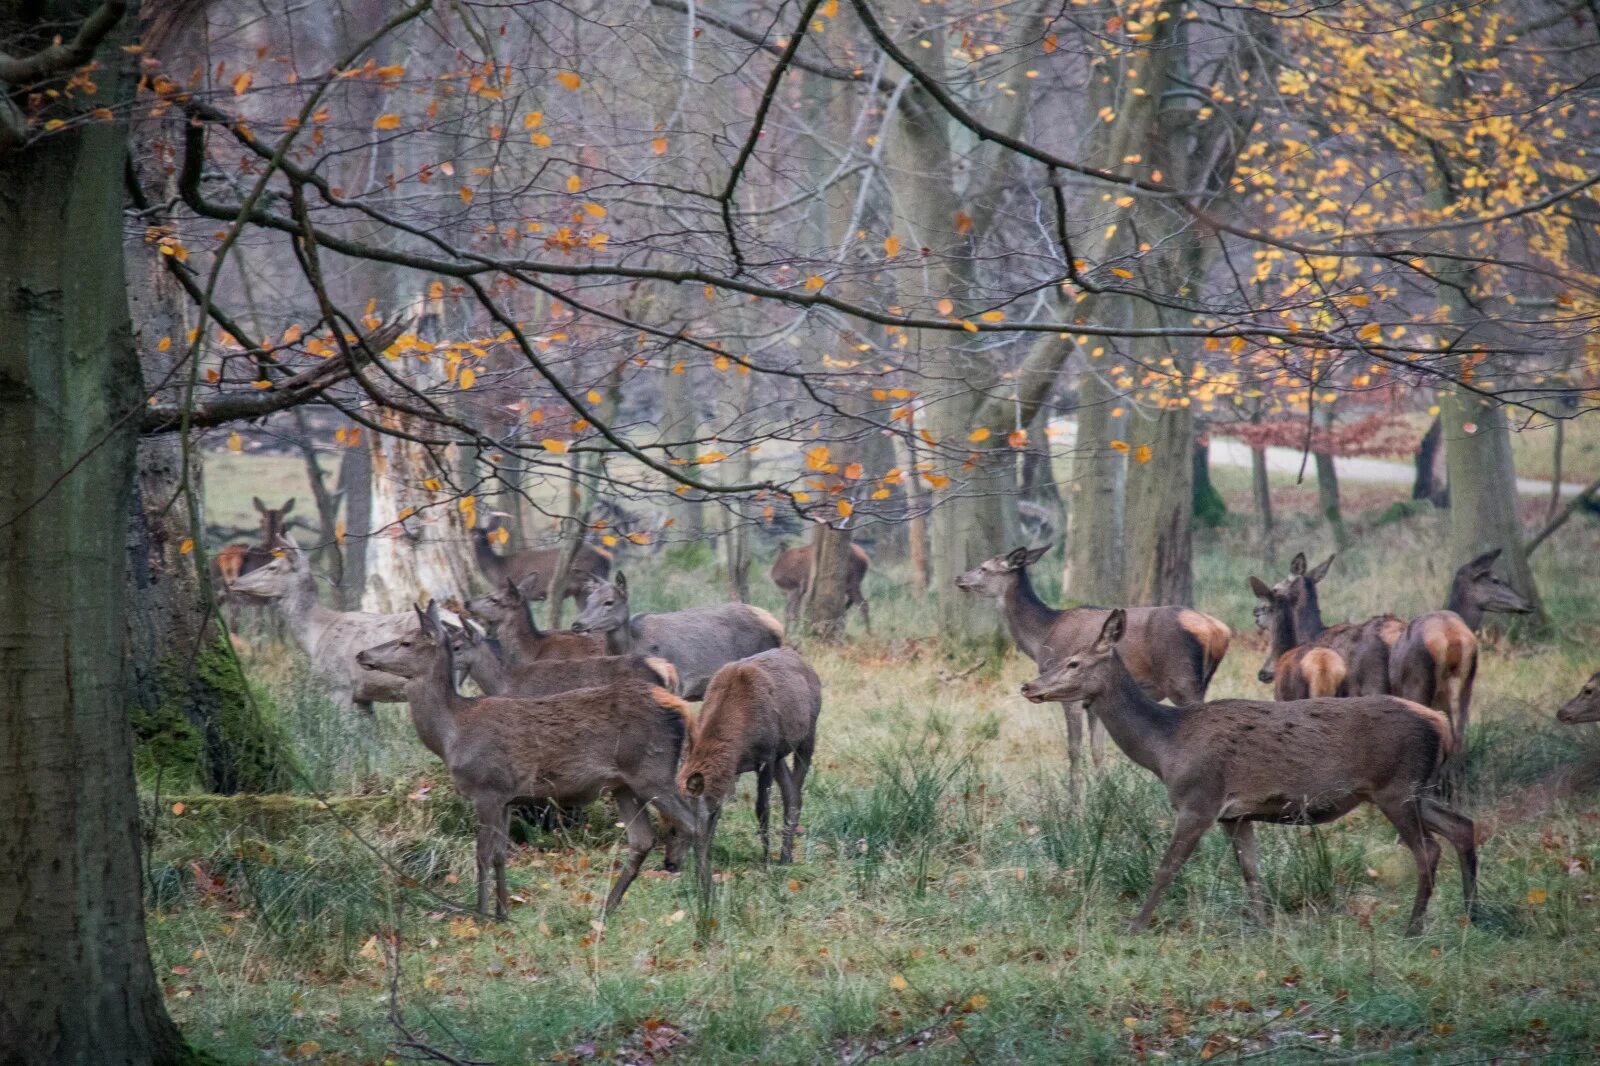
x=1160, y=512
x=1210, y=510
x=327, y=502
x=355, y=485
x=1094, y=543
x=76, y=984
x=1261, y=492
x=1328, y=499
x=828, y=590
x=1556, y=449
x=1425, y=487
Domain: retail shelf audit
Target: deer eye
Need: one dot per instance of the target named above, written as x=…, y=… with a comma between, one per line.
x=1073, y=665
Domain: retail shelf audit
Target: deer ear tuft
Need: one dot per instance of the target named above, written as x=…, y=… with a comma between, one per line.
x=621, y=583
x=1116, y=625
x=1322, y=571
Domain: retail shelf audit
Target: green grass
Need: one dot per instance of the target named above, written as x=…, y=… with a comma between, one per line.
x=954, y=900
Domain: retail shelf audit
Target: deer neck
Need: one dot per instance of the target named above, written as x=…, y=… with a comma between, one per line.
x=304, y=614
x=490, y=673
x=488, y=561
x=1461, y=603
x=1027, y=616
x=434, y=704
x=619, y=641
x=1286, y=633
x=1140, y=726
x=1307, y=618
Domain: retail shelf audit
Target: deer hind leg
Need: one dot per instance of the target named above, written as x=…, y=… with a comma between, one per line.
x=493, y=826
x=789, y=786
x=1074, y=714
x=1097, y=738
x=641, y=838
x=866, y=613
x=1405, y=814
x=791, y=607
x=1190, y=827
x=1242, y=835
x=764, y=808
x=1458, y=829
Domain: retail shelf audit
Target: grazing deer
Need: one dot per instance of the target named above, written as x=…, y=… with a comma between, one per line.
x=478, y=657
x=791, y=572
x=1306, y=762
x=698, y=641
x=758, y=711
x=1172, y=651
x=568, y=748
x=506, y=612
x=331, y=638
x=589, y=563
x=1585, y=706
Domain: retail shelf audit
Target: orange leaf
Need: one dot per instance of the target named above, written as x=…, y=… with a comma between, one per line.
x=853, y=472
x=659, y=146
x=574, y=183
x=1143, y=453
x=466, y=195
x=468, y=376
x=963, y=223
x=1050, y=43
x=815, y=282
x=1017, y=438
x=993, y=316
x=891, y=246
x=559, y=447
x=235, y=442
x=387, y=122
x=569, y=80
x=187, y=546
x=946, y=306
x=241, y=84
x=979, y=434
x=881, y=494
x=846, y=508
x=1119, y=446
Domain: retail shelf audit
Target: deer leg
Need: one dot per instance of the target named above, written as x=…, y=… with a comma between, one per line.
x=1406, y=816
x=763, y=808
x=1242, y=835
x=1190, y=827
x=1463, y=836
x=490, y=814
x=502, y=898
x=641, y=838
x=1097, y=737
x=866, y=614
x=791, y=607
x=1074, y=716
x=790, y=787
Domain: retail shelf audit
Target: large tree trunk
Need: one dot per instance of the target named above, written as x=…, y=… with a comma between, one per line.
x=1160, y=511
x=1426, y=459
x=1261, y=493
x=1094, y=543
x=355, y=485
x=1210, y=510
x=76, y=984
x=828, y=591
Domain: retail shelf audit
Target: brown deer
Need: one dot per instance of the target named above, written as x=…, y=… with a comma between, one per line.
x=1306, y=658
x=758, y=711
x=589, y=563
x=791, y=572
x=1585, y=706
x=497, y=674
x=1305, y=762
x=624, y=738
x=505, y=611
x=1173, y=651
x=235, y=560
x=698, y=641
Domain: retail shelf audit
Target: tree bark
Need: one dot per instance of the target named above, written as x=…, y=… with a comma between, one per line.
x=76, y=983
x=1209, y=508
x=828, y=591
x=1425, y=486
x=1328, y=499
x=1160, y=512
x=355, y=484
x=1261, y=492
x=1094, y=543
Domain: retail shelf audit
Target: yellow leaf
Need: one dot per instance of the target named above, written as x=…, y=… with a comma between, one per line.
x=846, y=508
x=975, y=1003
x=187, y=546
x=721, y=362
x=594, y=210
x=387, y=122
x=946, y=306
x=853, y=472
x=898, y=983
x=829, y=9
x=969, y=325
x=993, y=316
x=881, y=494
x=1370, y=332
x=963, y=223
x=532, y=120
x=164, y=344
x=1142, y=453
x=609, y=540
x=659, y=146
x=1119, y=272
x=979, y=434
x=540, y=140
x=241, y=84
x=432, y=484
x=500, y=536
x=559, y=447
x=891, y=246
x=569, y=80
x=815, y=282
x=466, y=195
x=1537, y=896
x=54, y=124
x=710, y=457
x=592, y=396
x=817, y=458
x=1119, y=446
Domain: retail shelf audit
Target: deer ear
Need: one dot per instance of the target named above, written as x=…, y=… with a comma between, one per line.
x=621, y=582
x=696, y=784
x=1485, y=562
x=1297, y=565
x=259, y=505
x=1322, y=571
x=1017, y=558
x=422, y=617
x=286, y=508
x=1111, y=632
x=1260, y=588
x=1036, y=554
x=531, y=587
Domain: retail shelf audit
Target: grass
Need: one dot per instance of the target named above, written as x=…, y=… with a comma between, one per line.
x=954, y=900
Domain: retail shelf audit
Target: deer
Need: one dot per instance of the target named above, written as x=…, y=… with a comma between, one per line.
x=1305, y=658
x=331, y=638
x=1585, y=706
x=698, y=641
x=758, y=712
x=1173, y=651
x=791, y=572
x=624, y=738
x=589, y=562
x=481, y=658
x=1304, y=762
x=234, y=560
x=505, y=612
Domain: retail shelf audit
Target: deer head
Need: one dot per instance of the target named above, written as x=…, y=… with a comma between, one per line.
x=1480, y=589
x=1585, y=706
x=413, y=654
x=288, y=570
x=995, y=577
x=606, y=608
x=1082, y=675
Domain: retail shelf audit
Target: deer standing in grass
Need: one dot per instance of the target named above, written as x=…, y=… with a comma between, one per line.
x=1305, y=762
x=624, y=738
x=791, y=572
x=1173, y=652
x=237, y=559
x=1585, y=706
x=757, y=712
x=698, y=641
x=588, y=564
x=506, y=612
x=499, y=674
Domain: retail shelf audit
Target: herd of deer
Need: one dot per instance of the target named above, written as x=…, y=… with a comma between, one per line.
x=1369, y=712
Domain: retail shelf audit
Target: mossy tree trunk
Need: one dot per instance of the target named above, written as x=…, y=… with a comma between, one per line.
x=76, y=983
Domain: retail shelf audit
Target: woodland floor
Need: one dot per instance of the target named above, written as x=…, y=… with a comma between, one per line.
x=953, y=903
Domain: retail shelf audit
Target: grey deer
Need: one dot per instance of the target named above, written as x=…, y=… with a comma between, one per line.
x=1304, y=762
x=698, y=641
